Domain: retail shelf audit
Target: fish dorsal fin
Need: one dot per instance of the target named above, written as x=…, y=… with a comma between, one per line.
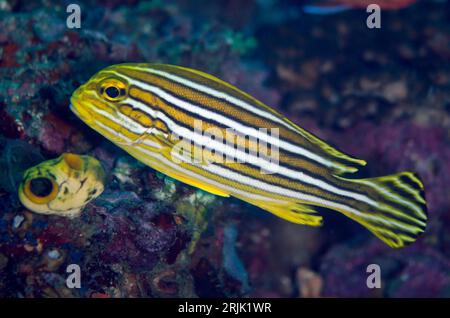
x=342, y=163
x=347, y=164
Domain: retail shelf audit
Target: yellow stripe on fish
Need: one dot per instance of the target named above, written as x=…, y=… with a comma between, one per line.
x=146, y=109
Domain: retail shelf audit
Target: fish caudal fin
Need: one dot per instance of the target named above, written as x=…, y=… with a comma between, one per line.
x=400, y=214
x=394, y=208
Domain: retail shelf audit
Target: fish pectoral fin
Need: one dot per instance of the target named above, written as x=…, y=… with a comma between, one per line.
x=165, y=151
x=293, y=212
x=184, y=151
x=163, y=140
x=175, y=151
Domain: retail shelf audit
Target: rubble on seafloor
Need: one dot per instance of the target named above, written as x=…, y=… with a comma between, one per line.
x=150, y=236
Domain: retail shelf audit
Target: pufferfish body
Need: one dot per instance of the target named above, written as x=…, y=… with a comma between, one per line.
x=62, y=186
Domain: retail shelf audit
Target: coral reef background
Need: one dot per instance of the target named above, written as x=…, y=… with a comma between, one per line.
x=378, y=94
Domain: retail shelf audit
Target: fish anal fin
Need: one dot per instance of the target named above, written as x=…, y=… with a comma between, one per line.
x=293, y=212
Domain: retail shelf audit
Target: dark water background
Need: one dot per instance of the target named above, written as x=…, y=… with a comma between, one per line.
x=378, y=94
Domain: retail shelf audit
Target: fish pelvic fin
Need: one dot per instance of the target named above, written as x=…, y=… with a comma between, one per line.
x=400, y=215
x=293, y=212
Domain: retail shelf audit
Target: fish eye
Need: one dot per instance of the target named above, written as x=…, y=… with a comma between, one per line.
x=41, y=187
x=113, y=90
x=41, y=190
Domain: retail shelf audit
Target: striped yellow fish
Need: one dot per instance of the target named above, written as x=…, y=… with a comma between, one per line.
x=146, y=109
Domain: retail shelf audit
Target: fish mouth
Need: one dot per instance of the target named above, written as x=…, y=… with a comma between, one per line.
x=74, y=110
x=80, y=110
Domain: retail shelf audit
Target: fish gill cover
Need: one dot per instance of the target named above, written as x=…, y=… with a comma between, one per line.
x=381, y=94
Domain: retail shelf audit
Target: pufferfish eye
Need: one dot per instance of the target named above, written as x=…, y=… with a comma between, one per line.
x=41, y=187
x=41, y=190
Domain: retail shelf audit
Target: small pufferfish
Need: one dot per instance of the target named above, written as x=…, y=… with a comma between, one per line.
x=62, y=186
